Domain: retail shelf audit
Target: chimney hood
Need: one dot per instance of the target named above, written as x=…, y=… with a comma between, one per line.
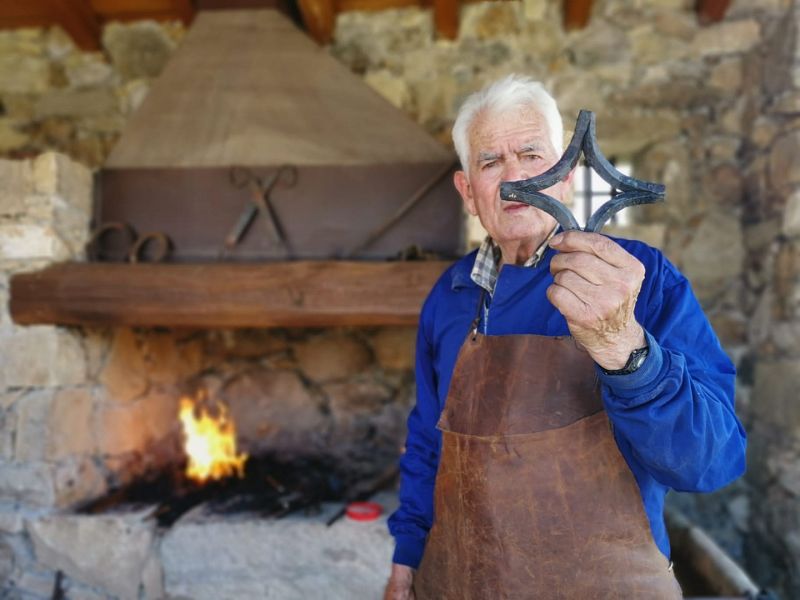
x=246, y=93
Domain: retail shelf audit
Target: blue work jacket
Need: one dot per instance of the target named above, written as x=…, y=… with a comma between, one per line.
x=673, y=418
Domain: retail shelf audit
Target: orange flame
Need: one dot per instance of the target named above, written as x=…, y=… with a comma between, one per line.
x=210, y=444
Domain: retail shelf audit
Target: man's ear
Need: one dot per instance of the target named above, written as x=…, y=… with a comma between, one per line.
x=461, y=182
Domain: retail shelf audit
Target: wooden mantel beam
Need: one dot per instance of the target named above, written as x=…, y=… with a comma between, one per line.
x=285, y=294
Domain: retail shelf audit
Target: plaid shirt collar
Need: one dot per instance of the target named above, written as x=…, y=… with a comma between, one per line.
x=487, y=262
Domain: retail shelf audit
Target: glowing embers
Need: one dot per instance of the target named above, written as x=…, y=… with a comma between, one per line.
x=209, y=442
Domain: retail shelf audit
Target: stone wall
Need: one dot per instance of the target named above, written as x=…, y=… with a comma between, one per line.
x=55, y=97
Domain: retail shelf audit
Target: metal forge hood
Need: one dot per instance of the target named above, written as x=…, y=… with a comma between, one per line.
x=247, y=89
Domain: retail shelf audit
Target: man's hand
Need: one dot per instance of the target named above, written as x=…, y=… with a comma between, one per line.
x=595, y=286
x=399, y=585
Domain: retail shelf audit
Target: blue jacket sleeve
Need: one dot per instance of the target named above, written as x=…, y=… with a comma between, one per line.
x=411, y=522
x=676, y=414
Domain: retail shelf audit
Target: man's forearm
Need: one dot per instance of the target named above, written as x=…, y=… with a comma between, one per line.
x=400, y=584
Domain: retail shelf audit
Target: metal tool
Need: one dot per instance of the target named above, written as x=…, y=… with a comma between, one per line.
x=134, y=247
x=260, y=191
x=634, y=191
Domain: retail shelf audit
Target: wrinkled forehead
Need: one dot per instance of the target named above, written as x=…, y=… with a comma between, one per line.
x=513, y=125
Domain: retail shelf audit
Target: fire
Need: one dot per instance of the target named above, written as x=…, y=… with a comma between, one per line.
x=210, y=444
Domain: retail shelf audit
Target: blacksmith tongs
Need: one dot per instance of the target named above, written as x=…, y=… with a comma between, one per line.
x=260, y=202
x=634, y=191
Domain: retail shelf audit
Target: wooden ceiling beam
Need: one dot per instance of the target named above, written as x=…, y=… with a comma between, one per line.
x=78, y=19
x=577, y=13
x=711, y=11
x=446, y=17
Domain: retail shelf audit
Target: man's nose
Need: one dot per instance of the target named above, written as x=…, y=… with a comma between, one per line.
x=514, y=171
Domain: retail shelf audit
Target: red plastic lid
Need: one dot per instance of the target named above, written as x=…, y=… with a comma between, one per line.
x=364, y=511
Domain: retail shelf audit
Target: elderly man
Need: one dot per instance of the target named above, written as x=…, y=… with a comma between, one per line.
x=566, y=382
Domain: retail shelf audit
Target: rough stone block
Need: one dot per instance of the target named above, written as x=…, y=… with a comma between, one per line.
x=614, y=131
x=76, y=103
x=394, y=347
x=56, y=174
x=42, y=356
x=31, y=425
x=650, y=47
x=108, y=552
x=21, y=74
x=122, y=428
x=390, y=86
x=11, y=520
x=602, y=42
x=17, y=182
x=167, y=359
x=139, y=49
x=535, y=10
x=715, y=255
x=727, y=37
x=125, y=372
x=273, y=411
x=356, y=397
x=87, y=69
x=775, y=394
x=332, y=356
x=791, y=216
x=788, y=103
x=78, y=480
x=29, y=483
x=293, y=558
x=23, y=241
x=784, y=168
x=67, y=433
x=160, y=413
x=727, y=75
x=11, y=136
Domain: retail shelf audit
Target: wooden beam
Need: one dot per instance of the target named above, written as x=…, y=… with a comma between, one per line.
x=77, y=17
x=445, y=18
x=711, y=11
x=319, y=17
x=577, y=13
x=281, y=294
x=127, y=10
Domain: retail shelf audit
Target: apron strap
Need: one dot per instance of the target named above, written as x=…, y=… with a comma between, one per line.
x=473, y=328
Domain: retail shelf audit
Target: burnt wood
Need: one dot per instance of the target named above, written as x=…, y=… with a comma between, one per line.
x=282, y=294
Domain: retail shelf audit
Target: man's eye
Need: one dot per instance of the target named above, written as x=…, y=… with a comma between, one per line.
x=489, y=165
x=531, y=156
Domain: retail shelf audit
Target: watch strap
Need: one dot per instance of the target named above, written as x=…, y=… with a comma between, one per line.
x=635, y=360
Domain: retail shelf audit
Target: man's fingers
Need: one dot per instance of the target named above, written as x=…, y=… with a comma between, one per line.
x=585, y=290
x=566, y=302
x=592, y=243
x=588, y=266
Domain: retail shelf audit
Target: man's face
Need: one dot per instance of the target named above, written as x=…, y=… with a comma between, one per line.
x=508, y=147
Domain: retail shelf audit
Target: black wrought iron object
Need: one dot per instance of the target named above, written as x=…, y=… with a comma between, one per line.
x=632, y=191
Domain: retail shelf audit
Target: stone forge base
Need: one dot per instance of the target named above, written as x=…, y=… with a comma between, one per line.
x=205, y=557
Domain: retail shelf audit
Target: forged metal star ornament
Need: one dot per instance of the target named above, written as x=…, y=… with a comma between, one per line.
x=633, y=191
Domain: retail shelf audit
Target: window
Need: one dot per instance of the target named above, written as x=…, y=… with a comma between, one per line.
x=590, y=192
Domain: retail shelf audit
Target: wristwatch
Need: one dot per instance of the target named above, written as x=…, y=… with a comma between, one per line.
x=635, y=360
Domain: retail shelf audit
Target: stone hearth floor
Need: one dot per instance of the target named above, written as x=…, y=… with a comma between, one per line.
x=234, y=557
x=297, y=557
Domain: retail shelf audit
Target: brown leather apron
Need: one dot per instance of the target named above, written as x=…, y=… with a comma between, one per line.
x=533, y=498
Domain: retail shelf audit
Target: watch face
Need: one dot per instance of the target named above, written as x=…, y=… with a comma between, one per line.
x=638, y=357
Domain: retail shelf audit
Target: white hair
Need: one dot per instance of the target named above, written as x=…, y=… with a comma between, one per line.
x=506, y=94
